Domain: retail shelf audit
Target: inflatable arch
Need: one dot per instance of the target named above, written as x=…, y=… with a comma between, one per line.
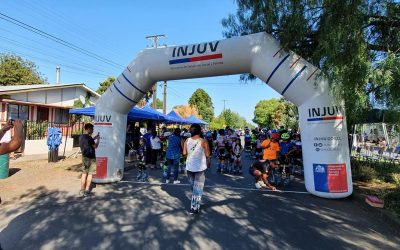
x=322, y=120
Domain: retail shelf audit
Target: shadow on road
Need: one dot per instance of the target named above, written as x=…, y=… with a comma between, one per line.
x=142, y=216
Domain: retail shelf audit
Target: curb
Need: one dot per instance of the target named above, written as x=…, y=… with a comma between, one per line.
x=387, y=216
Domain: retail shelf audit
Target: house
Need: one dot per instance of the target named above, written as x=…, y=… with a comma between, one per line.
x=42, y=106
x=42, y=102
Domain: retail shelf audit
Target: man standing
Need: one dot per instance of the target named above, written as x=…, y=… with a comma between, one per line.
x=173, y=154
x=88, y=145
x=147, y=138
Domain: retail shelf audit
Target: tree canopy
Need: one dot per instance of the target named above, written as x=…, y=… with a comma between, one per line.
x=355, y=43
x=159, y=104
x=16, y=71
x=105, y=84
x=186, y=110
x=229, y=118
x=274, y=113
x=203, y=103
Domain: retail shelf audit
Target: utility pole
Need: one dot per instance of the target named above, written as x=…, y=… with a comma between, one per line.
x=224, y=104
x=154, y=39
x=165, y=98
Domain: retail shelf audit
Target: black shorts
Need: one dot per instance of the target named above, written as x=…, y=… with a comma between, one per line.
x=259, y=150
x=221, y=153
x=247, y=144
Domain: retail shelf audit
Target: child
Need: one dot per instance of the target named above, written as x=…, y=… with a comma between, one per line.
x=236, y=152
x=285, y=147
x=260, y=170
x=258, y=147
x=142, y=176
x=221, y=141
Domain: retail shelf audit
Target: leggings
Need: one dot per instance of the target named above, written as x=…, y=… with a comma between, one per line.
x=196, y=180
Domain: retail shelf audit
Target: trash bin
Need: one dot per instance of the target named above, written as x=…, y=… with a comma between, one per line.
x=4, y=166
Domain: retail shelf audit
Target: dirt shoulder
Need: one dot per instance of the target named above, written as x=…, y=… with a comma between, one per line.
x=30, y=175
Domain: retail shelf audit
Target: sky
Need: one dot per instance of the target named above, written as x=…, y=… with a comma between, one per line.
x=116, y=31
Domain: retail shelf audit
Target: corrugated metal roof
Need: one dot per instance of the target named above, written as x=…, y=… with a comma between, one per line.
x=45, y=86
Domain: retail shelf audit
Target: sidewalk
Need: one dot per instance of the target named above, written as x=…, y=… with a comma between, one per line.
x=43, y=156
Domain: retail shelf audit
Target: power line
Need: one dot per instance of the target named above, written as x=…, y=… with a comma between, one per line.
x=57, y=40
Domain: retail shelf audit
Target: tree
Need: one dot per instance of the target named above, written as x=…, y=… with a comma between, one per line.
x=203, y=103
x=217, y=123
x=16, y=71
x=186, y=111
x=104, y=85
x=355, y=43
x=264, y=113
x=274, y=113
x=159, y=104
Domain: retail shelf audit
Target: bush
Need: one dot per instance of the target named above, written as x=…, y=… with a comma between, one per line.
x=392, y=201
x=364, y=170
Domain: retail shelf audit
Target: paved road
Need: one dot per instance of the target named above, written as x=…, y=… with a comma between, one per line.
x=130, y=215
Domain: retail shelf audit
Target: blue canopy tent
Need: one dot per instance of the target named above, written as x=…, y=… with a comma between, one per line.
x=177, y=118
x=193, y=119
x=135, y=114
x=161, y=116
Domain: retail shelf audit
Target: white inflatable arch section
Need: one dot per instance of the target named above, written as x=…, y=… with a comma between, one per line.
x=323, y=129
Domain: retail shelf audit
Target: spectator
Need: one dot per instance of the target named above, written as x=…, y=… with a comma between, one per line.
x=88, y=146
x=16, y=140
x=198, y=159
x=173, y=154
x=147, y=138
x=155, y=148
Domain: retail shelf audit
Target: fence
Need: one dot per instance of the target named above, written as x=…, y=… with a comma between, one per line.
x=38, y=130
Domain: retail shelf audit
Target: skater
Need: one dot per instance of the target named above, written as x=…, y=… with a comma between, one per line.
x=198, y=160
x=142, y=169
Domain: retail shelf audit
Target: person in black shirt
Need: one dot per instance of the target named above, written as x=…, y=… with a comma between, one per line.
x=260, y=170
x=88, y=145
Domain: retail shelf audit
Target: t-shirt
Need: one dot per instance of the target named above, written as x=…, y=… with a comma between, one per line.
x=86, y=143
x=270, y=153
x=147, y=137
x=285, y=147
x=247, y=137
x=155, y=143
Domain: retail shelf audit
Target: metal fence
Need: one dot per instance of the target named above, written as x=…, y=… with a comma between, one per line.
x=35, y=130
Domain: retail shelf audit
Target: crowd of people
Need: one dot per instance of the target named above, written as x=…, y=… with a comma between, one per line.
x=275, y=155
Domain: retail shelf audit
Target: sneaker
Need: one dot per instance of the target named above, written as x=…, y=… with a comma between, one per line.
x=194, y=211
x=177, y=182
x=81, y=192
x=167, y=181
x=87, y=193
x=258, y=186
x=139, y=176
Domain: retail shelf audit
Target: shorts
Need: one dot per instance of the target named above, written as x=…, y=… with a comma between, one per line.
x=221, y=153
x=236, y=158
x=88, y=165
x=247, y=144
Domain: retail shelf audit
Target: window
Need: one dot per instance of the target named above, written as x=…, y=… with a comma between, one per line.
x=16, y=111
x=62, y=116
x=42, y=114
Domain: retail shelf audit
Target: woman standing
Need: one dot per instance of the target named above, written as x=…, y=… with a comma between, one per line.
x=198, y=159
x=155, y=148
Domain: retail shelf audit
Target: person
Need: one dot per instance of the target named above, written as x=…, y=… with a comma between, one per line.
x=296, y=153
x=88, y=145
x=271, y=147
x=147, y=138
x=261, y=169
x=247, y=140
x=259, y=149
x=198, y=160
x=221, y=141
x=173, y=154
x=236, y=153
x=286, y=147
x=155, y=148
x=228, y=151
x=15, y=142
x=141, y=155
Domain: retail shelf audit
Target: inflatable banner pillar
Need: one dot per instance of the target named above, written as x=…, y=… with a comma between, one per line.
x=322, y=120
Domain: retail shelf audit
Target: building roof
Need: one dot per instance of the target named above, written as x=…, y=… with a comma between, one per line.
x=36, y=87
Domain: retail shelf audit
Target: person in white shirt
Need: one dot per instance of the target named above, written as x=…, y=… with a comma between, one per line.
x=198, y=160
x=155, y=148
